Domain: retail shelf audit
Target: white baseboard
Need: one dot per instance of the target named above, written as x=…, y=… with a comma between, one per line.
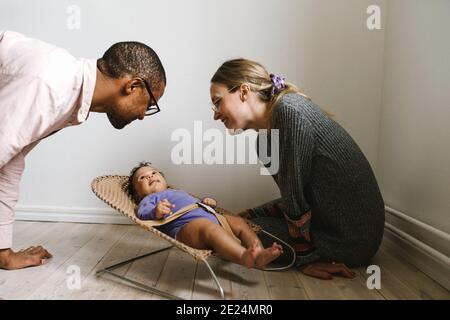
x=69, y=214
x=430, y=261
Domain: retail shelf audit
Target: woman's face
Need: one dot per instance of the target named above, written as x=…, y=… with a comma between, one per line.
x=231, y=108
x=147, y=180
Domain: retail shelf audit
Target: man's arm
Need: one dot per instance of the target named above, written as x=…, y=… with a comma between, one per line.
x=10, y=175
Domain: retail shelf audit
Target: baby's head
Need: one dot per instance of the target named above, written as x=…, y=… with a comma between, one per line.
x=145, y=179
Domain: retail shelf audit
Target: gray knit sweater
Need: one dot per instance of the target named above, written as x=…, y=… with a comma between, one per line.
x=323, y=170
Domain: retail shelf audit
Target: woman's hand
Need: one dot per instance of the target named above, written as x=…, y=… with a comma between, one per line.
x=210, y=202
x=163, y=208
x=324, y=270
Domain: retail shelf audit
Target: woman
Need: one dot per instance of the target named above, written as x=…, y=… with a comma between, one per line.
x=330, y=205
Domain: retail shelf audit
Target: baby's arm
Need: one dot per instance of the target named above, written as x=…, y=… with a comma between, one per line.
x=151, y=208
x=163, y=208
x=210, y=202
x=147, y=206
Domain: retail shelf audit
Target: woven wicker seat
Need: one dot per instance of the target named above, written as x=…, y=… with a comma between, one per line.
x=112, y=190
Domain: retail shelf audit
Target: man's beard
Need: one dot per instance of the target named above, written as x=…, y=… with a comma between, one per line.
x=116, y=123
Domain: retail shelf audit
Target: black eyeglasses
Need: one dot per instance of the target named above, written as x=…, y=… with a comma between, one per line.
x=151, y=109
x=216, y=103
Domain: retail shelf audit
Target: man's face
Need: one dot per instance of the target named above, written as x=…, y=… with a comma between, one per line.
x=132, y=103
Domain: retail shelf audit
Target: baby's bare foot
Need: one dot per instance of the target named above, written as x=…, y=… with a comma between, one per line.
x=249, y=256
x=267, y=255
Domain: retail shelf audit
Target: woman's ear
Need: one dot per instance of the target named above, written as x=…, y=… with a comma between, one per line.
x=245, y=90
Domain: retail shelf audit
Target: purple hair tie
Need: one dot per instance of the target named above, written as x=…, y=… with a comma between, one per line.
x=277, y=83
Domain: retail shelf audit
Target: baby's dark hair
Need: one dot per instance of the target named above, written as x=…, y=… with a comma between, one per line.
x=130, y=188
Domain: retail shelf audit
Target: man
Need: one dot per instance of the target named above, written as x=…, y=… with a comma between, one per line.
x=44, y=89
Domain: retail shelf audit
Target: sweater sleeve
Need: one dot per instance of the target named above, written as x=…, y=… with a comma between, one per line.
x=147, y=206
x=296, y=146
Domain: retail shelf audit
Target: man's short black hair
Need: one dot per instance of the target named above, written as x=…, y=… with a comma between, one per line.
x=133, y=59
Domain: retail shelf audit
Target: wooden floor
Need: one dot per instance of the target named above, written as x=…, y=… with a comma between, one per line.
x=93, y=246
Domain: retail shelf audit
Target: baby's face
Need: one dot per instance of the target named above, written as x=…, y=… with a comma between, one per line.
x=148, y=180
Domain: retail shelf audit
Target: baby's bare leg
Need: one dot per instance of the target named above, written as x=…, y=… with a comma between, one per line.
x=204, y=234
x=249, y=238
x=243, y=231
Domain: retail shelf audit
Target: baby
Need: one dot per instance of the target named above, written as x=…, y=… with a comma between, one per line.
x=198, y=228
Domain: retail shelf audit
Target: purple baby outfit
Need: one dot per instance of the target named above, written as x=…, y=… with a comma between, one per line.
x=180, y=199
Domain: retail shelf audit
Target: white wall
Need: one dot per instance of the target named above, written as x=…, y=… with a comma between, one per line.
x=414, y=156
x=322, y=46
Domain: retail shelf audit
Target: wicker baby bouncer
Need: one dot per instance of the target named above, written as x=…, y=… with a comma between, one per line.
x=112, y=190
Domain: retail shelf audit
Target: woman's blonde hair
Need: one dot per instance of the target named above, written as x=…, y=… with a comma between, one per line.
x=233, y=73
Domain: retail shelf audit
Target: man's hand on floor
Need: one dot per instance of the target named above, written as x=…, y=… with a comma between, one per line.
x=30, y=257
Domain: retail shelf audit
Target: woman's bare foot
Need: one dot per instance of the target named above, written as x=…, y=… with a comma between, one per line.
x=266, y=256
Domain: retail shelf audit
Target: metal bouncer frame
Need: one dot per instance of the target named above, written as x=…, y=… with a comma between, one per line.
x=154, y=290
